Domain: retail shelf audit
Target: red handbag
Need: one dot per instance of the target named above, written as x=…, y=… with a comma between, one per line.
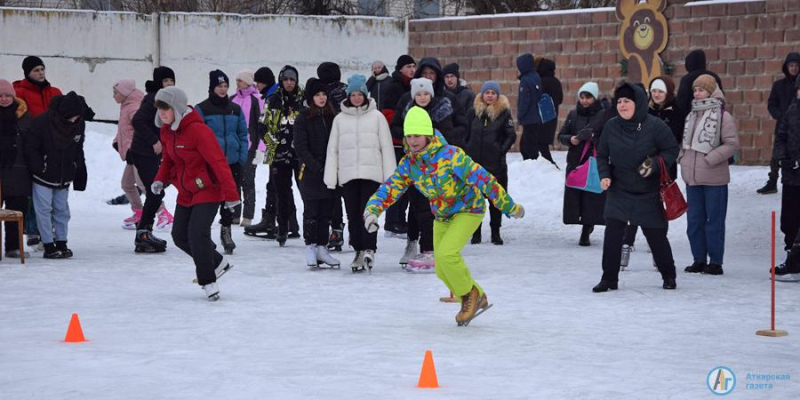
x=674, y=203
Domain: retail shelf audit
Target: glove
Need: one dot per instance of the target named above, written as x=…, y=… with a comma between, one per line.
x=259, y=157
x=646, y=169
x=370, y=222
x=520, y=212
x=230, y=205
x=585, y=134
x=157, y=187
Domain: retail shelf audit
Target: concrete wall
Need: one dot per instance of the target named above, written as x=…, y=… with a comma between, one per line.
x=745, y=43
x=88, y=51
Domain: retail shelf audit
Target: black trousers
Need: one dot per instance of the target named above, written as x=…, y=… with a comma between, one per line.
x=396, y=214
x=147, y=166
x=248, y=190
x=536, y=139
x=790, y=215
x=284, y=196
x=317, y=220
x=191, y=232
x=226, y=215
x=630, y=234
x=495, y=215
x=356, y=194
x=337, y=218
x=420, y=219
x=14, y=203
x=612, y=250
x=774, y=170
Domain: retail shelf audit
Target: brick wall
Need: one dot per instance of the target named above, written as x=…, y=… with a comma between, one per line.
x=745, y=43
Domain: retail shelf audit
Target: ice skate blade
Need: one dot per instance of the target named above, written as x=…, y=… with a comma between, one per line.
x=337, y=249
x=466, y=323
x=213, y=297
x=221, y=272
x=144, y=250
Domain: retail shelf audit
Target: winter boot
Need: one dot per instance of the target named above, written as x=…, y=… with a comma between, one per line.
x=226, y=239
x=323, y=256
x=585, y=232
x=423, y=263
x=145, y=242
x=476, y=237
x=604, y=286
x=61, y=245
x=265, y=228
x=791, y=268
x=496, y=239
x=471, y=303
x=119, y=200
x=294, y=229
x=358, y=262
x=51, y=252
x=411, y=251
x=713, y=269
x=770, y=188
x=132, y=222
x=626, y=256
x=212, y=291
x=336, y=240
x=696, y=267
x=669, y=284
x=281, y=238
x=311, y=256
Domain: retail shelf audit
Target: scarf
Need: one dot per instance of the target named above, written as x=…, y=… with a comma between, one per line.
x=8, y=135
x=703, y=125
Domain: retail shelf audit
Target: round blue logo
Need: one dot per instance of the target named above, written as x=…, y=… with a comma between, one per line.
x=721, y=381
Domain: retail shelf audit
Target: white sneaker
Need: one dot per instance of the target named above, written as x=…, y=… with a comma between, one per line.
x=212, y=291
x=410, y=252
x=423, y=263
x=324, y=256
x=369, y=259
x=311, y=256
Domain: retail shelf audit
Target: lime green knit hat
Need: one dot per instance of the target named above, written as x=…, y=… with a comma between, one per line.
x=417, y=123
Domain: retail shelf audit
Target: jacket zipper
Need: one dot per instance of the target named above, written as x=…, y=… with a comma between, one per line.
x=175, y=149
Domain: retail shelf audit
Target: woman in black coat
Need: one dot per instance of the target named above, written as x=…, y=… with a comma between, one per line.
x=582, y=130
x=627, y=160
x=312, y=130
x=491, y=136
x=14, y=175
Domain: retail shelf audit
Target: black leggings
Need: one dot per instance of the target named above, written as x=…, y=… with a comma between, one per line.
x=356, y=194
x=420, y=219
x=612, y=250
x=147, y=166
x=226, y=215
x=317, y=220
x=191, y=231
x=283, y=174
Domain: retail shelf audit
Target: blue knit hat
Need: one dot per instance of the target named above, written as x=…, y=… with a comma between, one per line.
x=490, y=85
x=357, y=83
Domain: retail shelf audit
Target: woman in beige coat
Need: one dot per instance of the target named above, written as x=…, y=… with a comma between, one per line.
x=709, y=142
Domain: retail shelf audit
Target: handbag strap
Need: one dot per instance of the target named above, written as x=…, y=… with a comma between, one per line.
x=585, y=149
x=662, y=167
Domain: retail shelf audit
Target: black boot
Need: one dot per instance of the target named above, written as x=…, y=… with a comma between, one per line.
x=697, y=267
x=145, y=242
x=585, y=232
x=496, y=239
x=50, y=251
x=61, y=245
x=476, y=237
x=226, y=239
x=713, y=269
x=604, y=286
x=669, y=284
x=265, y=228
x=770, y=188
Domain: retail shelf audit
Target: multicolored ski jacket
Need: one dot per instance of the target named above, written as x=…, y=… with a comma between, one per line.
x=448, y=177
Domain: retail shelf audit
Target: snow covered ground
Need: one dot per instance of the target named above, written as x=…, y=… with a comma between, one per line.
x=283, y=332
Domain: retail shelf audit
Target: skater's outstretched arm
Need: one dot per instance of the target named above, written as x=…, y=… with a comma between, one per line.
x=391, y=190
x=473, y=174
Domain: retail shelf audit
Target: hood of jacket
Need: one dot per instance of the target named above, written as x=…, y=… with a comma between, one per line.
x=695, y=61
x=281, y=75
x=360, y=110
x=642, y=109
x=434, y=64
x=525, y=64
x=328, y=72
x=133, y=99
x=191, y=117
x=492, y=111
x=791, y=57
x=546, y=68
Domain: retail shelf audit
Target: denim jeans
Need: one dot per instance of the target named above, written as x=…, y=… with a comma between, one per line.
x=708, y=206
x=52, y=212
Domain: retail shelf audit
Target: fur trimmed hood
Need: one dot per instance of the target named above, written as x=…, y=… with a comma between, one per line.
x=493, y=111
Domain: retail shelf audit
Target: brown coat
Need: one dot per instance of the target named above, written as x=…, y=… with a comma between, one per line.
x=711, y=169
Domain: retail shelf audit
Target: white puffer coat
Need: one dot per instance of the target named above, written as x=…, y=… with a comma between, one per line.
x=360, y=147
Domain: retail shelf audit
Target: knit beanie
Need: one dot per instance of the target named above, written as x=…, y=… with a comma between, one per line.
x=265, y=75
x=216, y=77
x=417, y=122
x=6, y=88
x=329, y=72
x=421, y=85
x=591, y=88
x=357, y=83
x=314, y=86
x=402, y=61
x=490, y=85
x=624, y=91
x=69, y=105
x=451, y=69
x=161, y=73
x=246, y=76
x=31, y=62
x=177, y=100
x=706, y=82
x=658, y=84
x=289, y=73
x=125, y=86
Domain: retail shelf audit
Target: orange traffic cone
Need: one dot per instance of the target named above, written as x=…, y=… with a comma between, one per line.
x=74, y=332
x=427, y=378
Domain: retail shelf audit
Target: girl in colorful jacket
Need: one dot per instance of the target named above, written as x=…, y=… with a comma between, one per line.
x=455, y=187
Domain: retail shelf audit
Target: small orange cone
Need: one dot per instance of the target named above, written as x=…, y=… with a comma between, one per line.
x=74, y=333
x=427, y=378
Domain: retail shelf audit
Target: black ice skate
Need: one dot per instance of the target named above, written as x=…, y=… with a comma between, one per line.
x=336, y=240
x=226, y=239
x=265, y=229
x=145, y=242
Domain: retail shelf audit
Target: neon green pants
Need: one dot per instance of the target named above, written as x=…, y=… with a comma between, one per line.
x=449, y=238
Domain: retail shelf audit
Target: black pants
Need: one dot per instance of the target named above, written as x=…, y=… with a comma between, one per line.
x=356, y=194
x=495, y=215
x=317, y=220
x=536, y=139
x=790, y=215
x=612, y=253
x=396, y=214
x=774, y=170
x=226, y=215
x=337, y=218
x=284, y=196
x=14, y=203
x=248, y=190
x=147, y=166
x=420, y=219
x=630, y=234
x=191, y=232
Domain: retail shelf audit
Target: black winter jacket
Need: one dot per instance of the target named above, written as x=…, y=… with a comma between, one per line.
x=312, y=130
x=623, y=147
x=145, y=131
x=376, y=86
x=783, y=91
x=465, y=98
x=787, y=143
x=394, y=90
x=54, y=150
x=14, y=174
x=491, y=134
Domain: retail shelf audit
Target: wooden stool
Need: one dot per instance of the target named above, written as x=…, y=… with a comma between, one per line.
x=13, y=216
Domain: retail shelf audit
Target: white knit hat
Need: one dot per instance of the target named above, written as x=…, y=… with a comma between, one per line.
x=591, y=88
x=658, y=84
x=421, y=85
x=247, y=76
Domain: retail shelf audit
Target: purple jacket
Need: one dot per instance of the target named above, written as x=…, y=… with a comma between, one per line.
x=244, y=99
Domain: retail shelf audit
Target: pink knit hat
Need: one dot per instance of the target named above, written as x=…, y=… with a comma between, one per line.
x=125, y=86
x=6, y=88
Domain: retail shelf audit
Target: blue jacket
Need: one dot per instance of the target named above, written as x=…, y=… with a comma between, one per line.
x=530, y=90
x=229, y=126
